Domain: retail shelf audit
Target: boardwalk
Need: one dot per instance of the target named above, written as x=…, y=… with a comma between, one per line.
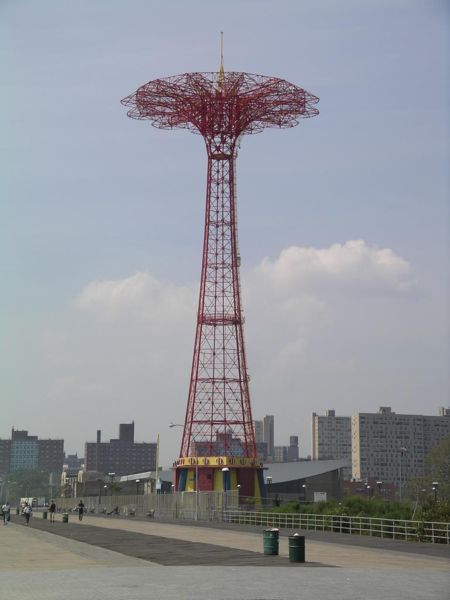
x=116, y=558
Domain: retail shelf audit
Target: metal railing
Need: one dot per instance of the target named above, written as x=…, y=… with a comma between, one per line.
x=217, y=506
x=395, y=529
x=178, y=505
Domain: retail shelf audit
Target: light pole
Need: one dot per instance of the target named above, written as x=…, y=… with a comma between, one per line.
x=379, y=485
x=137, y=486
x=304, y=491
x=225, y=472
x=269, y=483
x=435, y=486
x=402, y=450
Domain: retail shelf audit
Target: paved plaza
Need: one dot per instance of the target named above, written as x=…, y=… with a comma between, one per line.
x=107, y=558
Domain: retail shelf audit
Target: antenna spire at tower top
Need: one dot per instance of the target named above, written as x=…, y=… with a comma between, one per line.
x=221, y=77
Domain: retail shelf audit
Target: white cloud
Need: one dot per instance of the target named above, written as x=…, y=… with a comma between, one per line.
x=140, y=296
x=310, y=315
x=298, y=277
x=352, y=265
x=288, y=300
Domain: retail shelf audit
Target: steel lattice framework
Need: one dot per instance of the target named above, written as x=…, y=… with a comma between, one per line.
x=221, y=107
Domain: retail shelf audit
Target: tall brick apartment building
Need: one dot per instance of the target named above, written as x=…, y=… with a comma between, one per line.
x=25, y=451
x=120, y=456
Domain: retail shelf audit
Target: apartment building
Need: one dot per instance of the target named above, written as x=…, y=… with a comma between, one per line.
x=392, y=447
x=23, y=452
x=332, y=438
x=120, y=456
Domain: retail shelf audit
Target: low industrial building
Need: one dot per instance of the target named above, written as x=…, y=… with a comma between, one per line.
x=306, y=481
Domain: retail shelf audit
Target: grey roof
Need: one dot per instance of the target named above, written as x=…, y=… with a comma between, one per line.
x=291, y=471
x=164, y=475
x=280, y=472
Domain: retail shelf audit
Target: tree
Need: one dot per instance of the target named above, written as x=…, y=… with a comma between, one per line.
x=26, y=483
x=437, y=468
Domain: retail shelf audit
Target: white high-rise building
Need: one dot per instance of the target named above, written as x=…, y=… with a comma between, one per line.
x=332, y=438
x=392, y=447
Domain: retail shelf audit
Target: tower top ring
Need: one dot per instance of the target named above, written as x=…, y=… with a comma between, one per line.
x=224, y=103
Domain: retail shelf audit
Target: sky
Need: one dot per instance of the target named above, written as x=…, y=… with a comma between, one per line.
x=343, y=220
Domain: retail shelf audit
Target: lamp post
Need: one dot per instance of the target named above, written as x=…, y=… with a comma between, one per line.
x=435, y=486
x=268, y=483
x=137, y=486
x=304, y=491
x=111, y=481
x=402, y=451
x=225, y=471
x=379, y=486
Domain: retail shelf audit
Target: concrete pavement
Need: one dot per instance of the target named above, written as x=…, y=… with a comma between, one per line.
x=38, y=565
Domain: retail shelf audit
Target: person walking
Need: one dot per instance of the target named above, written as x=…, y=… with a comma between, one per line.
x=80, y=510
x=52, y=511
x=6, y=510
x=27, y=511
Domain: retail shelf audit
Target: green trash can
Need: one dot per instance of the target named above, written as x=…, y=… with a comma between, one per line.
x=65, y=517
x=297, y=548
x=270, y=538
x=44, y=515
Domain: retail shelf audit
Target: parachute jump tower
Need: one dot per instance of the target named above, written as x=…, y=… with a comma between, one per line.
x=218, y=450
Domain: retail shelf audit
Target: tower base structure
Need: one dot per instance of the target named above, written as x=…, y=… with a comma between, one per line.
x=220, y=474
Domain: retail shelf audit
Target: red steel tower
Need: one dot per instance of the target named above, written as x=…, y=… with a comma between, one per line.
x=218, y=448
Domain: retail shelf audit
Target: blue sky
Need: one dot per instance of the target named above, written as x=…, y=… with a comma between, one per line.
x=101, y=216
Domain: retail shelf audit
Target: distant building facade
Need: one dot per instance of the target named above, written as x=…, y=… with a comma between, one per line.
x=120, y=456
x=265, y=443
x=332, y=438
x=5, y=455
x=269, y=434
x=280, y=454
x=72, y=461
x=292, y=449
x=24, y=452
x=391, y=446
x=261, y=449
x=258, y=427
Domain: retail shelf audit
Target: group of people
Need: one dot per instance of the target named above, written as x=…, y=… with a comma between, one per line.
x=6, y=512
x=28, y=511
